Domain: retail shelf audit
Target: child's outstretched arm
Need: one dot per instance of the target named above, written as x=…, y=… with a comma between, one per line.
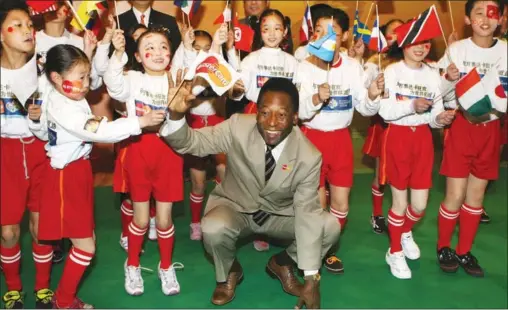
x=116, y=81
x=70, y=115
x=90, y=44
x=101, y=60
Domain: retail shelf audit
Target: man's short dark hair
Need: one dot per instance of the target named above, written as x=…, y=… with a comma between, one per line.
x=281, y=85
x=470, y=4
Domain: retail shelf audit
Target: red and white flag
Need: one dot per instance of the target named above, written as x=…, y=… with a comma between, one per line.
x=306, y=28
x=425, y=27
x=377, y=41
x=244, y=36
x=41, y=7
x=225, y=16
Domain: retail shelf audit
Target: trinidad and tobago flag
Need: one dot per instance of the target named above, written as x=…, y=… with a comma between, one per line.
x=41, y=7
x=425, y=27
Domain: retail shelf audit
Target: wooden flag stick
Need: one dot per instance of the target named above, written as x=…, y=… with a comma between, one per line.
x=367, y=20
x=328, y=72
x=188, y=20
x=76, y=16
x=378, y=41
x=444, y=38
x=451, y=14
x=117, y=16
x=353, y=36
x=230, y=13
x=183, y=18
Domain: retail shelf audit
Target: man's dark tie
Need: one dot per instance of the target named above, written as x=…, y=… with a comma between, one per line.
x=260, y=216
x=269, y=163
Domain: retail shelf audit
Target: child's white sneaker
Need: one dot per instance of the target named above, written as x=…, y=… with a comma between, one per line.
x=398, y=265
x=134, y=284
x=169, y=283
x=409, y=246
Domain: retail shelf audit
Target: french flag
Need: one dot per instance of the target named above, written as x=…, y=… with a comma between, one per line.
x=306, y=28
x=377, y=41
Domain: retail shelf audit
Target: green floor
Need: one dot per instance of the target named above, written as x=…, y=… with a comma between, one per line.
x=367, y=282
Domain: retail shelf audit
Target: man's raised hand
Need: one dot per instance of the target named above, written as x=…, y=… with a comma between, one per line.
x=179, y=95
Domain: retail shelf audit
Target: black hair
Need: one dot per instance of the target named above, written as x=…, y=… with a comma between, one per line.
x=202, y=33
x=319, y=10
x=470, y=5
x=135, y=65
x=135, y=28
x=62, y=58
x=284, y=86
x=384, y=27
x=258, y=41
x=339, y=16
x=6, y=6
x=130, y=45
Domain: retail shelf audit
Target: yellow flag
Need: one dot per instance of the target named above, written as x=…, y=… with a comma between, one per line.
x=85, y=13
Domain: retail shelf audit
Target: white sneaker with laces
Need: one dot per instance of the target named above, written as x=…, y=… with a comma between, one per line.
x=169, y=283
x=134, y=284
x=124, y=243
x=261, y=246
x=152, y=231
x=409, y=246
x=195, y=231
x=398, y=265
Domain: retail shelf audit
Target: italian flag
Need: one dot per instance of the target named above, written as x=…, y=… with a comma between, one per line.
x=472, y=96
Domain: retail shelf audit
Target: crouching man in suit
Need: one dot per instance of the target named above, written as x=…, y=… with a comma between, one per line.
x=270, y=188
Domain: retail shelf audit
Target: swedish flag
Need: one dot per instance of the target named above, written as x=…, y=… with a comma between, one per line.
x=360, y=29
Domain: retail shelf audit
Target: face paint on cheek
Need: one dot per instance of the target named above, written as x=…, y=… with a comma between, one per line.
x=426, y=46
x=70, y=87
x=492, y=12
x=10, y=29
x=63, y=12
x=148, y=55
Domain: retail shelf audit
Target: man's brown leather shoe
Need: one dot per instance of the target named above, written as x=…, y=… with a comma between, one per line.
x=225, y=292
x=286, y=276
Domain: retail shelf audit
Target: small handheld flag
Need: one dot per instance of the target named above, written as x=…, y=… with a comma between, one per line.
x=472, y=96
x=244, y=36
x=41, y=7
x=422, y=28
x=377, y=41
x=86, y=16
x=306, y=29
x=225, y=16
x=189, y=7
x=324, y=48
x=360, y=29
x=494, y=88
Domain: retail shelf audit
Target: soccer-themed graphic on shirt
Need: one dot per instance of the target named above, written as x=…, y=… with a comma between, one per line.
x=143, y=108
x=339, y=103
x=10, y=107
